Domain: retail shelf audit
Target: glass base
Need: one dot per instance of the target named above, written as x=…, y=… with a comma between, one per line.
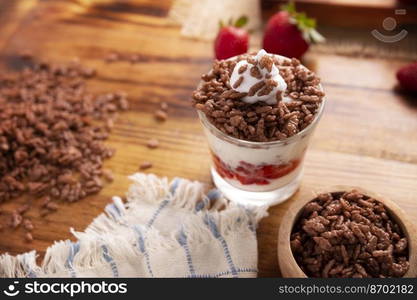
x=255, y=198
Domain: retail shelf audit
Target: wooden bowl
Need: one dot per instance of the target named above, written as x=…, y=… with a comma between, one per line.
x=287, y=263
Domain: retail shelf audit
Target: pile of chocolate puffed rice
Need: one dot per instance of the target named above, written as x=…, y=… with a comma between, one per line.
x=349, y=234
x=51, y=136
x=259, y=122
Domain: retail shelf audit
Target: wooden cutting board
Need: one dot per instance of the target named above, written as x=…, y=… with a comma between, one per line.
x=367, y=136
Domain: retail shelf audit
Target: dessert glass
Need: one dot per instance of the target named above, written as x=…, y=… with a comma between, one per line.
x=257, y=173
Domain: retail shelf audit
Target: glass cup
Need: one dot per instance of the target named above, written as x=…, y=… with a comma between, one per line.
x=257, y=173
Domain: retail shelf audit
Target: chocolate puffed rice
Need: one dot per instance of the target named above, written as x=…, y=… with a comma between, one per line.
x=51, y=135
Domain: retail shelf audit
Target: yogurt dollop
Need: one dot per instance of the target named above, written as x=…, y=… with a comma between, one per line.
x=259, y=78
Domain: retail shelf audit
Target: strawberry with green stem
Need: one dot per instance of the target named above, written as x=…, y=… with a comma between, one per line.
x=232, y=39
x=289, y=33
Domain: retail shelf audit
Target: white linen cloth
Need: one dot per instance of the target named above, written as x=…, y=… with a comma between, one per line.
x=165, y=229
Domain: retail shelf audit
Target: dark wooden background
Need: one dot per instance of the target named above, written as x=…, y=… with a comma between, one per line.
x=367, y=136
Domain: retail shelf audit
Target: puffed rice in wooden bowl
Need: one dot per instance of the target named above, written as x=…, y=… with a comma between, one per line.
x=287, y=262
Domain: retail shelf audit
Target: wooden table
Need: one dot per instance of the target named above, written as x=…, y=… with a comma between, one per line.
x=367, y=136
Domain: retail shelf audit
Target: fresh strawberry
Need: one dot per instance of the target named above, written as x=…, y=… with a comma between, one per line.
x=407, y=77
x=289, y=33
x=231, y=40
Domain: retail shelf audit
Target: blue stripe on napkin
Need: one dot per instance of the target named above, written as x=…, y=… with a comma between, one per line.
x=74, y=248
x=208, y=220
x=29, y=271
x=157, y=212
x=172, y=189
x=224, y=273
x=142, y=248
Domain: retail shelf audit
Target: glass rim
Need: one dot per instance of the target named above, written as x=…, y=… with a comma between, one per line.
x=221, y=134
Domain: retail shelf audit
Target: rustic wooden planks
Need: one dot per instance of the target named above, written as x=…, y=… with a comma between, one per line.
x=367, y=136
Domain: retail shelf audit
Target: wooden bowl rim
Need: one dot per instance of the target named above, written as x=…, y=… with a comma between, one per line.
x=287, y=263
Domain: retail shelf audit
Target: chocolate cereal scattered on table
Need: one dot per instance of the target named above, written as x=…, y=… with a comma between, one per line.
x=349, y=234
x=259, y=97
x=52, y=130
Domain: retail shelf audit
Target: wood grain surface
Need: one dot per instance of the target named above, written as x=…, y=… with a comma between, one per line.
x=367, y=136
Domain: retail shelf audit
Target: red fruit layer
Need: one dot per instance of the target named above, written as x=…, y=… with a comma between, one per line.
x=247, y=173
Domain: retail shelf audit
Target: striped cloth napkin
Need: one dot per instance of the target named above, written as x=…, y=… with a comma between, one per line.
x=164, y=229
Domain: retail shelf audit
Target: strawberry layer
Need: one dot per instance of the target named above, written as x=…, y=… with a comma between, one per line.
x=248, y=174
